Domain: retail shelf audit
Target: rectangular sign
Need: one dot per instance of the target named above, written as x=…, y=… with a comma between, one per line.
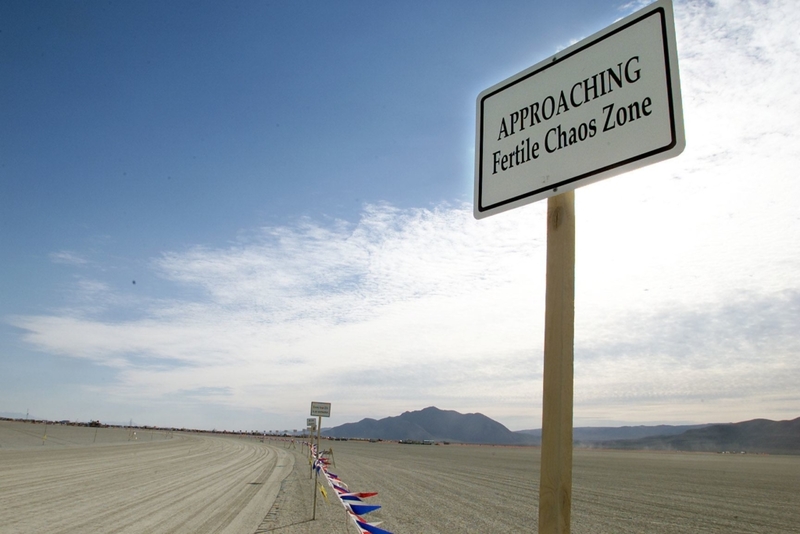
x=321, y=409
x=606, y=105
x=311, y=423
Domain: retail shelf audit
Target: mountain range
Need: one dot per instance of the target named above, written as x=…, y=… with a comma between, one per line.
x=433, y=424
x=758, y=436
x=593, y=434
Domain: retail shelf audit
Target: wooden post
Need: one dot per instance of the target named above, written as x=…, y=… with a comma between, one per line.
x=555, y=483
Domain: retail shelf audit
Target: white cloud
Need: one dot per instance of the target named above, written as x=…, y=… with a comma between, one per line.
x=686, y=286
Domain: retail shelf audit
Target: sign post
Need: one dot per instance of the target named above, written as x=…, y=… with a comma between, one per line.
x=311, y=425
x=555, y=477
x=606, y=105
x=320, y=409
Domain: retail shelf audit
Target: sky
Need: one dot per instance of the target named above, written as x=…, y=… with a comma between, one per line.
x=213, y=214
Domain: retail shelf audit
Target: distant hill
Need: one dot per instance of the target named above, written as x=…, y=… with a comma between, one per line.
x=588, y=435
x=431, y=424
x=758, y=435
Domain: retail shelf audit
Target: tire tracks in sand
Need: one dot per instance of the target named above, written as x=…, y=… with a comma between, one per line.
x=191, y=483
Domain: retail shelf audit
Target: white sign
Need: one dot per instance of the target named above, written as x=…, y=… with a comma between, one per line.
x=606, y=105
x=321, y=409
x=311, y=423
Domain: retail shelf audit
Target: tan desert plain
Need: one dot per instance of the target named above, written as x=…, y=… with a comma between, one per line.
x=71, y=479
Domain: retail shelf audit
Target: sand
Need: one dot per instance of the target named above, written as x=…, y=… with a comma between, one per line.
x=104, y=480
x=450, y=489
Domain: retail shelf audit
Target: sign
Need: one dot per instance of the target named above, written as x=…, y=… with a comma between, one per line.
x=321, y=409
x=605, y=105
x=311, y=423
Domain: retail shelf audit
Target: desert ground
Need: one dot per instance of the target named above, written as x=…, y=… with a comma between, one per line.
x=79, y=479
x=468, y=489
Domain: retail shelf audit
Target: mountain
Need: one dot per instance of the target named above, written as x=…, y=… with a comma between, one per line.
x=431, y=424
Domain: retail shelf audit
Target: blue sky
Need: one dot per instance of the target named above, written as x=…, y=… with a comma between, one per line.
x=290, y=186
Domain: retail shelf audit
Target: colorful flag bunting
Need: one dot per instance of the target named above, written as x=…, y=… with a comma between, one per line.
x=352, y=501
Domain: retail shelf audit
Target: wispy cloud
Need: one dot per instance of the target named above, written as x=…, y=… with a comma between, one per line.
x=687, y=303
x=67, y=257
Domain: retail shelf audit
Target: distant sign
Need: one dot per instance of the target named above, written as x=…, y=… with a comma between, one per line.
x=311, y=423
x=321, y=409
x=606, y=105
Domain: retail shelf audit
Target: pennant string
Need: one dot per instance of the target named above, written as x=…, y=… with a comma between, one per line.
x=351, y=501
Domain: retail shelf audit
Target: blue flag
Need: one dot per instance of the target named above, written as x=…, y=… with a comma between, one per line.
x=372, y=528
x=361, y=509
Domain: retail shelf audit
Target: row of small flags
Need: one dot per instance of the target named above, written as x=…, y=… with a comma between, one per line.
x=353, y=502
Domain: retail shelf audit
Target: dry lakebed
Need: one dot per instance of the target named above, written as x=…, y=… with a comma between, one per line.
x=68, y=479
